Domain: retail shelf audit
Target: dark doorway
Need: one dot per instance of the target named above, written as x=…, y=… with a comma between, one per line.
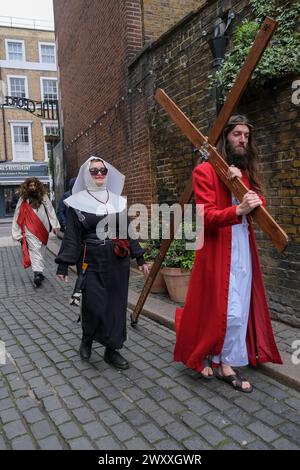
x=8, y=200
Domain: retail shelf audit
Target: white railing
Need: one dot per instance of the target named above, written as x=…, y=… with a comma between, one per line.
x=30, y=23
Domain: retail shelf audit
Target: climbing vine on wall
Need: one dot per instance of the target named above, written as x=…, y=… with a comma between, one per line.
x=281, y=58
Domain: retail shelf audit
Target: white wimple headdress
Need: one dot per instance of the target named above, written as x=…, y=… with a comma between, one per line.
x=97, y=203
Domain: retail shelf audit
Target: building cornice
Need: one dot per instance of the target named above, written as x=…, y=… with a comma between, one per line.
x=8, y=64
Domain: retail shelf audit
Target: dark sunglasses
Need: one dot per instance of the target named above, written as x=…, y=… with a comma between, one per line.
x=95, y=171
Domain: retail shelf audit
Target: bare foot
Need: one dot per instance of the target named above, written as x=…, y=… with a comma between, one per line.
x=207, y=372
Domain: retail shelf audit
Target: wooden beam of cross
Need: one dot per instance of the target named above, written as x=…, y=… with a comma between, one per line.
x=210, y=153
x=262, y=40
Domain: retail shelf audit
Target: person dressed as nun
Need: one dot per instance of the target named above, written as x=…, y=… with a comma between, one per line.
x=96, y=198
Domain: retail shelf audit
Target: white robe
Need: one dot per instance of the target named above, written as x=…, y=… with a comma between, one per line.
x=35, y=246
x=234, y=352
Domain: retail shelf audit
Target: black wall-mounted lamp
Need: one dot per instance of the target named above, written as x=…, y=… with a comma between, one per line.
x=218, y=43
x=219, y=39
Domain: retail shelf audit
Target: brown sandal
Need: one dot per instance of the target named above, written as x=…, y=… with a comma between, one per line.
x=236, y=381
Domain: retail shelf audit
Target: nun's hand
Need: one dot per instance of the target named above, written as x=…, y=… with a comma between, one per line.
x=56, y=231
x=145, y=269
x=62, y=277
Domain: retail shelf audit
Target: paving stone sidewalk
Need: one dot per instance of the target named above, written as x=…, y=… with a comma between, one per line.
x=50, y=399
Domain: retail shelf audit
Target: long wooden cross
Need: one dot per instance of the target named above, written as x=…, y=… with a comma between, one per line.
x=263, y=218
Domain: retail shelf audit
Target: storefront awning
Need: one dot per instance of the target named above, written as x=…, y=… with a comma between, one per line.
x=15, y=173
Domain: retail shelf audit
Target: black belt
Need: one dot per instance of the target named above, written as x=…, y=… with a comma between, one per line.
x=93, y=241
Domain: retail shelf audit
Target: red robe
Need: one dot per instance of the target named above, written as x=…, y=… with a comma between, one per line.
x=201, y=325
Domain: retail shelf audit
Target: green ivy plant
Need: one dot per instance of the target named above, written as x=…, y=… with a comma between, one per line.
x=280, y=59
x=178, y=256
x=151, y=248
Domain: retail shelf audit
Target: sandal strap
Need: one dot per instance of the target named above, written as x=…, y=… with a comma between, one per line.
x=240, y=376
x=207, y=361
x=236, y=381
x=233, y=380
x=228, y=378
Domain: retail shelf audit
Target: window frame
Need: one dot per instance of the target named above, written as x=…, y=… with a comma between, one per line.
x=40, y=52
x=20, y=41
x=44, y=125
x=28, y=124
x=17, y=76
x=42, y=88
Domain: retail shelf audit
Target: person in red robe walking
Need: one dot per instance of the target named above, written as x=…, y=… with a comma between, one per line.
x=33, y=219
x=226, y=315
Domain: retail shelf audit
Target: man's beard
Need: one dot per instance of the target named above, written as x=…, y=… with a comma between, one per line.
x=34, y=200
x=240, y=160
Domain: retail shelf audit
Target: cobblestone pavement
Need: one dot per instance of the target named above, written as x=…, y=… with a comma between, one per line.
x=50, y=399
x=5, y=229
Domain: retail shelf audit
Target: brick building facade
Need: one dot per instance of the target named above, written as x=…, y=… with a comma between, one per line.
x=108, y=77
x=95, y=117
x=27, y=71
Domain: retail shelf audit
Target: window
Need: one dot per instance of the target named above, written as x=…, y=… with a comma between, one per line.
x=15, y=50
x=49, y=129
x=21, y=141
x=17, y=86
x=49, y=88
x=21, y=134
x=47, y=53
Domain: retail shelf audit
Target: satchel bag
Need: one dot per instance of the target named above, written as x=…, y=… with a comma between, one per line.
x=79, y=284
x=121, y=247
x=50, y=226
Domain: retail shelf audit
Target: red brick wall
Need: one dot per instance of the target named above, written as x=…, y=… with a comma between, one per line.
x=95, y=42
x=161, y=15
x=180, y=63
x=134, y=26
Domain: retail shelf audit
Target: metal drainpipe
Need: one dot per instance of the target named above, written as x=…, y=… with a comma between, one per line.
x=3, y=124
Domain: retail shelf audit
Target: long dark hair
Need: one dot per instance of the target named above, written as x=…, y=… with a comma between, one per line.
x=40, y=192
x=252, y=170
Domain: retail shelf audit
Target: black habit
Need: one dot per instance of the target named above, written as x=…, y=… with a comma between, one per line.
x=105, y=290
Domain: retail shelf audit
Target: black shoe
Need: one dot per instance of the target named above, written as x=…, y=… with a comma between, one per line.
x=85, y=350
x=114, y=358
x=38, y=279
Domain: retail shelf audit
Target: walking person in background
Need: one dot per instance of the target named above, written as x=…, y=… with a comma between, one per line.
x=62, y=208
x=33, y=219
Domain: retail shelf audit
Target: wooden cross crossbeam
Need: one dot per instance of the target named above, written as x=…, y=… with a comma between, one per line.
x=236, y=186
x=262, y=39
